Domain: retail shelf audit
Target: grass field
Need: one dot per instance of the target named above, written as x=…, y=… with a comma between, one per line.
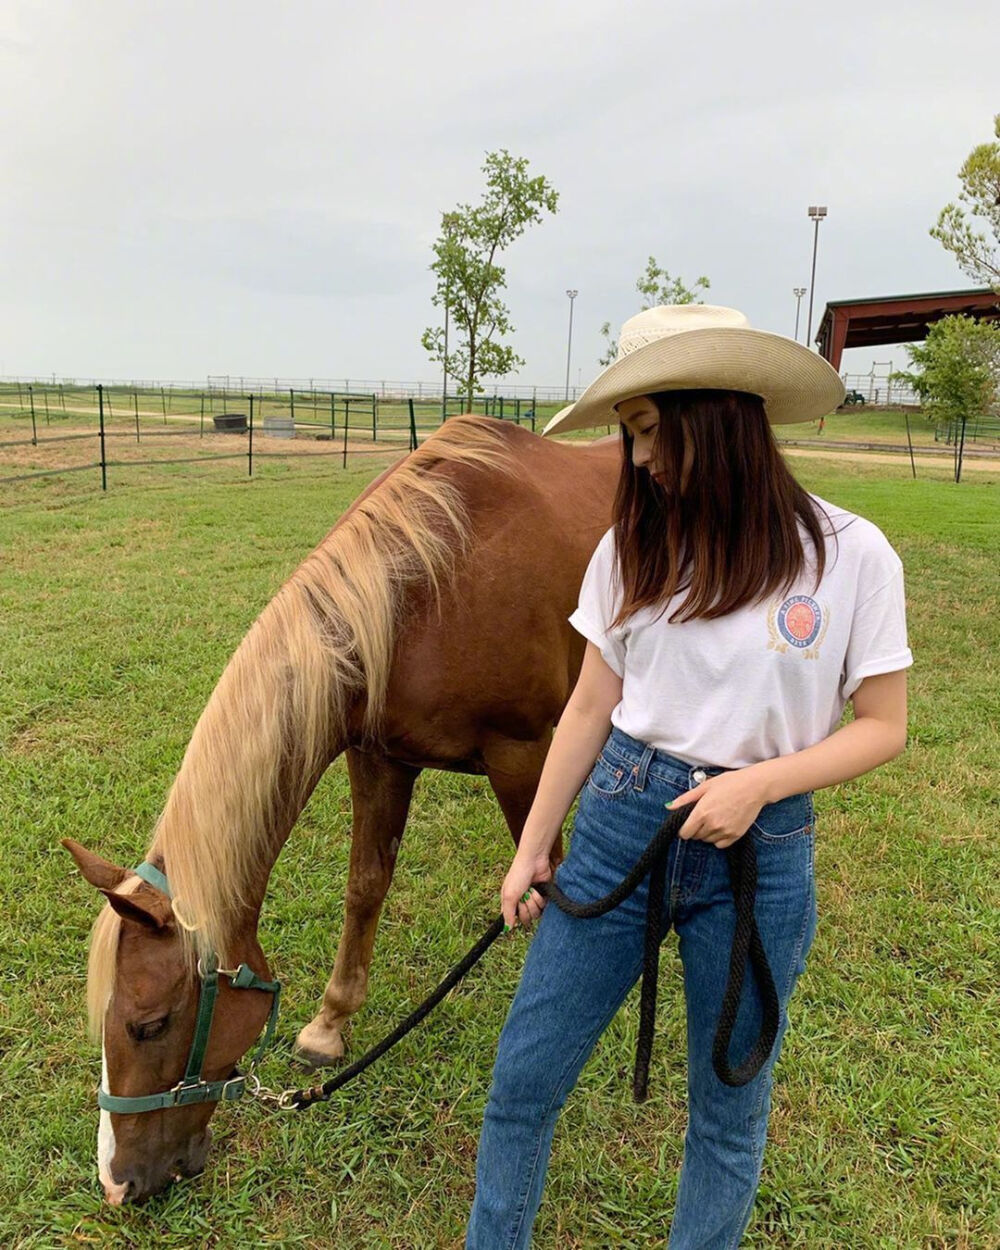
x=117, y=614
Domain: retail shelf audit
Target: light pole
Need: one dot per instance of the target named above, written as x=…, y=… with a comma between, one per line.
x=444, y=383
x=816, y=214
x=446, y=224
x=798, y=292
x=569, y=342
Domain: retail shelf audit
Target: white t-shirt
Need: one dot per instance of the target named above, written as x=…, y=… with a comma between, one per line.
x=767, y=679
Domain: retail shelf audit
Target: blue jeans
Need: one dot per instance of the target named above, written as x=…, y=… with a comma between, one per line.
x=577, y=973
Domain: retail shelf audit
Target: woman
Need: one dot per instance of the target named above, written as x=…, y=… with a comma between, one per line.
x=729, y=617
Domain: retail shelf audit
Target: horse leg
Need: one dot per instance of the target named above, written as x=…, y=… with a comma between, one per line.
x=381, y=789
x=513, y=769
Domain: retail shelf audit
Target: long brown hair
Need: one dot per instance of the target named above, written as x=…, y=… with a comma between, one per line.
x=728, y=535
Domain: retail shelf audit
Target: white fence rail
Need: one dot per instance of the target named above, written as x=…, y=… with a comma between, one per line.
x=876, y=387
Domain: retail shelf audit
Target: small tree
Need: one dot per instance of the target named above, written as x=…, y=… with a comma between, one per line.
x=958, y=369
x=655, y=286
x=977, y=254
x=469, y=280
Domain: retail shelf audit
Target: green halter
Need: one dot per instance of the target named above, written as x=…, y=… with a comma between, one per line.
x=191, y=1088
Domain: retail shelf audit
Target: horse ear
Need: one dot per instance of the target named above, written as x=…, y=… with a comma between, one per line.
x=99, y=872
x=147, y=906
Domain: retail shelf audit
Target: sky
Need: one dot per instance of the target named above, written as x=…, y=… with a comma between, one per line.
x=252, y=189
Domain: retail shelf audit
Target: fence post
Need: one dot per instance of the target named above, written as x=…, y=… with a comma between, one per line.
x=250, y=443
x=333, y=416
x=135, y=397
x=104, y=461
x=909, y=443
x=45, y=396
x=375, y=417
x=413, y=427
x=62, y=396
x=291, y=397
x=163, y=405
x=347, y=422
x=201, y=427
x=959, y=451
x=31, y=400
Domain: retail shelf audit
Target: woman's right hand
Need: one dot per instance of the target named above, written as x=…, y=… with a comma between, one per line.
x=519, y=903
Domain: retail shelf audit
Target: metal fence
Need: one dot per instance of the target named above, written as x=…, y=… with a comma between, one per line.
x=879, y=389
x=385, y=389
x=333, y=423
x=876, y=388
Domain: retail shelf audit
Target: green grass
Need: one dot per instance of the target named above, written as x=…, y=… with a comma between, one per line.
x=878, y=426
x=117, y=614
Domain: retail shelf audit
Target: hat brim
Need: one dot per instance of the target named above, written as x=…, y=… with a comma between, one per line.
x=794, y=383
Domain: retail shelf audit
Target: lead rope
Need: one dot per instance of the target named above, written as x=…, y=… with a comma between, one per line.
x=742, y=864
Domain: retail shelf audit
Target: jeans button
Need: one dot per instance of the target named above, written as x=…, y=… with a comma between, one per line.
x=698, y=776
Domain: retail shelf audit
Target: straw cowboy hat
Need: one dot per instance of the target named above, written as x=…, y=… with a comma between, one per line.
x=679, y=347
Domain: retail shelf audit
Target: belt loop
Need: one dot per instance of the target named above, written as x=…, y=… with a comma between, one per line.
x=642, y=768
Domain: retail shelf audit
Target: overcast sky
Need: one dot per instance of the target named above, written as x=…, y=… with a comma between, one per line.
x=253, y=188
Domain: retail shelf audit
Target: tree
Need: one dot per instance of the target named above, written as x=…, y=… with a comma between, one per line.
x=655, y=286
x=469, y=279
x=976, y=253
x=958, y=369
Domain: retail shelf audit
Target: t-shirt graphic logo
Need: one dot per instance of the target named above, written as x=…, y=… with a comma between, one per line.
x=799, y=622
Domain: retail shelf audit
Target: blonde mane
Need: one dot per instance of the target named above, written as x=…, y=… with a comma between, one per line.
x=281, y=705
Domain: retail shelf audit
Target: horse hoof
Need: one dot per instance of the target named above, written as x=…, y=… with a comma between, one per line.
x=311, y=1060
x=319, y=1047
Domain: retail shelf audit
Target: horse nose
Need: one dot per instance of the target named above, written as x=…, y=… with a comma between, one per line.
x=116, y=1194
x=138, y=1185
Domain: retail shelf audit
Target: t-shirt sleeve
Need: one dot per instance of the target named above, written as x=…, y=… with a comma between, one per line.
x=597, y=606
x=878, y=635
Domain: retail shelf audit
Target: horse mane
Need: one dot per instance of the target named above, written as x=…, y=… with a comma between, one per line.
x=283, y=700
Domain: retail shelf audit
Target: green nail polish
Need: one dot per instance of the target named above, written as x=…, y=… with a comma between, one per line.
x=526, y=897
x=506, y=928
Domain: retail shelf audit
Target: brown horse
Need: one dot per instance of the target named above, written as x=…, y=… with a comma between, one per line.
x=428, y=630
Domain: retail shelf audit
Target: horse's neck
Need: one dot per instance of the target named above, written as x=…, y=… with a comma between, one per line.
x=248, y=772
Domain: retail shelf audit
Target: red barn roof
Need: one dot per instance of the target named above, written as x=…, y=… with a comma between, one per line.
x=896, y=318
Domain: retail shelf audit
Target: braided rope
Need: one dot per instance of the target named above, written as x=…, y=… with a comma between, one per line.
x=742, y=864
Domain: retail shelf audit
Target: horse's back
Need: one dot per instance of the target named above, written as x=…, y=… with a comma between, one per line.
x=496, y=655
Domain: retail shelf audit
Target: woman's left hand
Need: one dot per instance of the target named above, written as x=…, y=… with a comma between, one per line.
x=725, y=807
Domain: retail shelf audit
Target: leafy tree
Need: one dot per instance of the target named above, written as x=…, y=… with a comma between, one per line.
x=655, y=286
x=977, y=254
x=958, y=369
x=469, y=279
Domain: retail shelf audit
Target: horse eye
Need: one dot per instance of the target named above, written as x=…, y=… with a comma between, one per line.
x=148, y=1029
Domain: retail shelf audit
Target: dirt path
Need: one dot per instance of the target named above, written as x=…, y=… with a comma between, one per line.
x=969, y=463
